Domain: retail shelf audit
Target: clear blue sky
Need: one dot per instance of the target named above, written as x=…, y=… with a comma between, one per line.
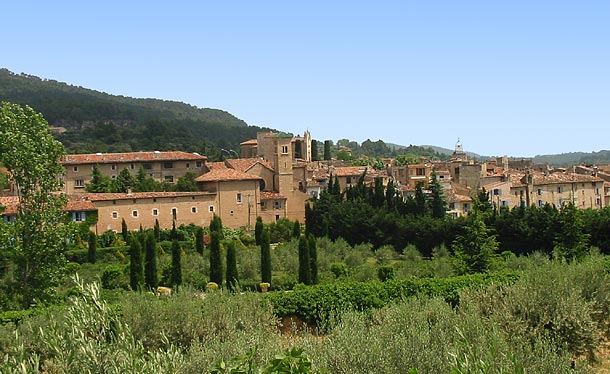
x=506, y=77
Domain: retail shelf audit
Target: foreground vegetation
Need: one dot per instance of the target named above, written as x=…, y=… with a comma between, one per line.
x=552, y=319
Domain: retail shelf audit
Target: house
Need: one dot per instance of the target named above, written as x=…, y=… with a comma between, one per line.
x=78, y=209
x=161, y=166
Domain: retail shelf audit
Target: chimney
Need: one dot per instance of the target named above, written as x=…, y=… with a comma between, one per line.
x=129, y=190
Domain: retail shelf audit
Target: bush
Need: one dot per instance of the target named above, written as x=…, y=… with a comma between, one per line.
x=113, y=277
x=339, y=269
x=386, y=273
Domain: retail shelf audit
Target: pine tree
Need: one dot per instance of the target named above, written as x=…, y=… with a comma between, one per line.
x=215, y=259
x=91, y=254
x=150, y=261
x=136, y=270
x=199, y=244
x=265, y=257
x=313, y=258
x=258, y=230
x=231, y=274
x=99, y=182
x=176, y=278
x=304, y=262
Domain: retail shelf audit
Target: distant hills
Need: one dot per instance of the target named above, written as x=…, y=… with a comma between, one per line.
x=88, y=121
x=93, y=121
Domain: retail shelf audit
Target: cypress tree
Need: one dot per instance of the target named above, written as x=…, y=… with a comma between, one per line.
x=265, y=257
x=150, y=261
x=157, y=230
x=420, y=199
x=314, y=150
x=199, y=244
x=216, y=225
x=438, y=205
x=296, y=229
x=231, y=274
x=258, y=230
x=304, y=263
x=327, y=145
x=215, y=260
x=124, y=231
x=91, y=254
x=313, y=258
x=176, y=279
x=136, y=270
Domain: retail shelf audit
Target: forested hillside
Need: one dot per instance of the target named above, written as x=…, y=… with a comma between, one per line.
x=99, y=122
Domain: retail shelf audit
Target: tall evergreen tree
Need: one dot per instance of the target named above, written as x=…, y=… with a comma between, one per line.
x=136, y=269
x=92, y=252
x=476, y=248
x=258, y=230
x=327, y=146
x=314, y=150
x=296, y=229
x=231, y=274
x=304, y=262
x=438, y=205
x=176, y=276
x=150, y=261
x=298, y=149
x=124, y=231
x=199, y=243
x=571, y=241
x=99, y=182
x=123, y=182
x=215, y=259
x=265, y=257
x=420, y=199
x=216, y=225
x=313, y=258
x=157, y=230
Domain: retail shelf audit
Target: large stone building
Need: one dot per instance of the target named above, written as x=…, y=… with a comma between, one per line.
x=161, y=166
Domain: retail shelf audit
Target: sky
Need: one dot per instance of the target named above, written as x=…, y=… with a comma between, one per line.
x=517, y=78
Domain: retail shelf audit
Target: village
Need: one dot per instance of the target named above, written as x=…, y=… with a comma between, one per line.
x=274, y=177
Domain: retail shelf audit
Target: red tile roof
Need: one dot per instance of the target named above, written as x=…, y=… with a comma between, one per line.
x=136, y=195
x=348, y=171
x=266, y=195
x=245, y=164
x=105, y=158
x=75, y=203
x=249, y=142
x=216, y=165
x=220, y=175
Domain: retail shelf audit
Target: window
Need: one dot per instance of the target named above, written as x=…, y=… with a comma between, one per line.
x=539, y=192
x=593, y=184
x=277, y=204
x=285, y=149
x=211, y=208
x=497, y=192
x=79, y=183
x=263, y=205
x=169, y=178
x=134, y=213
x=75, y=169
x=559, y=189
x=78, y=216
x=188, y=165
x=238, y=198
x=115, y=215
x=132, y=166
x=194, y=209
x=598, y=201
x=348, y=180
x=113, y=167
x=560, y=202
x=168, y=165
x=420, y=172
x=597, y=191
x=147, y=166
x=277, y=217
x=451, y=206
x=155, y=212
x=504, y=203
x=466, y=207
x=199, y=164
x=174, y=213
x=540, y=203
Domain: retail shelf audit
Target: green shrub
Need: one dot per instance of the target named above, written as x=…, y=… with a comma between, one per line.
x=113, y=277
x=386, y=273
x=339, y=269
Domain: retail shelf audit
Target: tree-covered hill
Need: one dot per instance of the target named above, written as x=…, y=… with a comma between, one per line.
x=98, y=122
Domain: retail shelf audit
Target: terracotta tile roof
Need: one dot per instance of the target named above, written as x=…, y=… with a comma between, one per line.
x=219, y=175
x=245, y=164
x=557, y=178
x=105, y=158
x=136, y=195
x=350, y=171
x=267, y=195
x=216, y=165
x=495, y=185
x=453, y=197
x=11, y=203
x=249, y=142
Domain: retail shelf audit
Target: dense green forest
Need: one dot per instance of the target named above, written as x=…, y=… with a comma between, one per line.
x=99, y=122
